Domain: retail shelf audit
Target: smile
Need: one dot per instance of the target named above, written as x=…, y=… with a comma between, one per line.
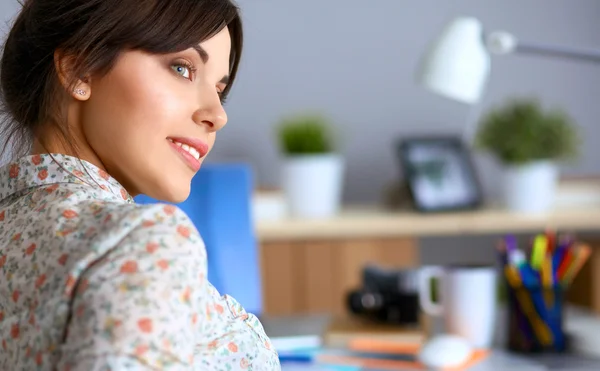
x=191, y=150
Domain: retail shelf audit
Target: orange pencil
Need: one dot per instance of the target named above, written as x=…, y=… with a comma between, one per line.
x=582, y=255
x=564, y=265
x=383, y=346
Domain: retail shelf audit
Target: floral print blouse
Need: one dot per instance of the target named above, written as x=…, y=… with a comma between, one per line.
x=91, y=281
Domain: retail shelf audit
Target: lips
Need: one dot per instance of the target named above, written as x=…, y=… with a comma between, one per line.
x=191, y=150
x=196, y=147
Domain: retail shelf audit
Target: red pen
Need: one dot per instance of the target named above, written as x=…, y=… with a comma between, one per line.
x=566, y=262
x=551, y=237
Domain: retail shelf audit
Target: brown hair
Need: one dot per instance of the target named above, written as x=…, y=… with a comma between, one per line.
x=93, y=33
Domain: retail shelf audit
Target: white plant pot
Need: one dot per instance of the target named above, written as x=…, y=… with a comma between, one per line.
x=313, y=185
x=530, y=188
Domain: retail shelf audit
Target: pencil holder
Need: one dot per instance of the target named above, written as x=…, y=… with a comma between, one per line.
x=535, y=317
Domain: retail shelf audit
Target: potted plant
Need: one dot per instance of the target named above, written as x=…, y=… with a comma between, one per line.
x=529, y=141
x=313, y=171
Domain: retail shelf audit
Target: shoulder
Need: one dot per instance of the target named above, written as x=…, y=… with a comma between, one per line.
x=103, y=226
x=143, y=222
x=147, y=240
x=149, y=280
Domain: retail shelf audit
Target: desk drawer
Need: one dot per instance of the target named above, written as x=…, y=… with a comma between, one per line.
x=303, y=277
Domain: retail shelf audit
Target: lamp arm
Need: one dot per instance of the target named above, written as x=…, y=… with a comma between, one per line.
x=500, y=42
x=587, y=55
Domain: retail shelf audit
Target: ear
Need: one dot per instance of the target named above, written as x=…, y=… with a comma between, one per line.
x=79, y=88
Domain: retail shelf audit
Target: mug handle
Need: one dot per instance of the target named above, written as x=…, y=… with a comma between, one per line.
x=425, y=276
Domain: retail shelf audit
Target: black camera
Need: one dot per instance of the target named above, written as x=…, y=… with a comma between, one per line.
x=389, y=296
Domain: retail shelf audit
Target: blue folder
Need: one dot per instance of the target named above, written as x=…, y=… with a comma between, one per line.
x=219, y=205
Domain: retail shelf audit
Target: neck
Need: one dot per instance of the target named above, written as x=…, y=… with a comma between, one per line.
x=73, y=145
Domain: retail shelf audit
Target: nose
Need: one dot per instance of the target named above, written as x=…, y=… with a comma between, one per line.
x=212, y=115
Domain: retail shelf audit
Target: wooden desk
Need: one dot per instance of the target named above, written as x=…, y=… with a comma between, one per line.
x=579, y=324
x=309, y=265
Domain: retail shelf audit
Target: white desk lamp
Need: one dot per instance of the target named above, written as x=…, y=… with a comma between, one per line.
x=458, y=63
x=457, y=66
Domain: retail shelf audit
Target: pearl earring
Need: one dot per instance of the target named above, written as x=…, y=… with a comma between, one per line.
x=80, y=92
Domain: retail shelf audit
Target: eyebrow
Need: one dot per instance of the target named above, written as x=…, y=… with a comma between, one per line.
x=201, y=52
x=204, y=56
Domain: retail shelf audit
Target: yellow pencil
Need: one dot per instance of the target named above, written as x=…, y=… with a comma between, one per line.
x=540, y=327
x=538, y=253
x=547, y=281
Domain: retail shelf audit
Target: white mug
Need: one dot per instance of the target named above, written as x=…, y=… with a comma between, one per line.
x=466, y=300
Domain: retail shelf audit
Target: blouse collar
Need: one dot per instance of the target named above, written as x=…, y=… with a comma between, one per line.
x=46, y=169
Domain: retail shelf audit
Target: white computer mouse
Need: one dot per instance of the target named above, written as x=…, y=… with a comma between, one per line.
x=445, y=351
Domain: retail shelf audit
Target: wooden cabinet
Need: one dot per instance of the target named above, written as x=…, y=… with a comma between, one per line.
x=585, y=289
x=313, y=276
x=308, y=266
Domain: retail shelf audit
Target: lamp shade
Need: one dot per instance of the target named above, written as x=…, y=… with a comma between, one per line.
x=458, y=63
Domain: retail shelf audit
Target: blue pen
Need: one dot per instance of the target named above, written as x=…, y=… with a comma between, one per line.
x=555, y=318
x=542, y=311
x=295, y=358
x=528, y=275
x=550, y=316
x=557, y=258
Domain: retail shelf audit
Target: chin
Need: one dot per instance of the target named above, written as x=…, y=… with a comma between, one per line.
x=176, y=199
x=173, y=193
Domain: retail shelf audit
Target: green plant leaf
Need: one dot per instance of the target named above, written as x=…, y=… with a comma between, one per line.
x=522, y=131
x=305, y=135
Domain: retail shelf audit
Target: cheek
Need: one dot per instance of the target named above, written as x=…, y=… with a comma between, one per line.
x=132, y=104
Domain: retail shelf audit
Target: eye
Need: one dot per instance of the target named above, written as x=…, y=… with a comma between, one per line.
x=222, y=97
x=183, y=69
x=221, y=92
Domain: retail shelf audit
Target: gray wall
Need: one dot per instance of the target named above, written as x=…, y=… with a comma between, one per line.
x=356, y=62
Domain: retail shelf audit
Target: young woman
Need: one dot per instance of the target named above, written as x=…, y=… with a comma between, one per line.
x=104, y=100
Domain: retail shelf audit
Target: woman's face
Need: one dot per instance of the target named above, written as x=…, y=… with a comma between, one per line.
x=153, y=118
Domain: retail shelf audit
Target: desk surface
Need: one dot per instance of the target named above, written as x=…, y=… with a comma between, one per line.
x=498, y=361
x=356, y=222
